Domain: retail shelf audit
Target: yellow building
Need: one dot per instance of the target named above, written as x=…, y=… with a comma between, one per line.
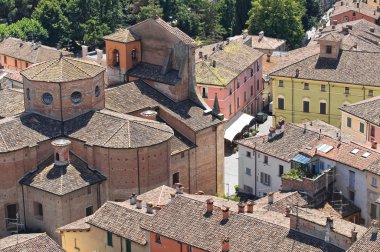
x=316, y=86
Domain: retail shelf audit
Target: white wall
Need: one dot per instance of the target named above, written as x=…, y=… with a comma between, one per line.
x=342, y=183
x=272, y=169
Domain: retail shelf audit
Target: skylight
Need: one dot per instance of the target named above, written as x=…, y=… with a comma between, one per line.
x=367, y=154
x=324, y=148
x=354, y=151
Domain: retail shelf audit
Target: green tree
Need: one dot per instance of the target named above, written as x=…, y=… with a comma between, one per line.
x=153, y=9
x=27, y=29
x=227, y=13
x=313, y=14
x=211, y=18
x=3, y=30
x=94, y=31
x=279, y=19
x=241, y=15
x=51, y=15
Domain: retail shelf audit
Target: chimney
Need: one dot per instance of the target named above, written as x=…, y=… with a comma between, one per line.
x=132, y=199
x=261, y=35
x=270, y=197
x=178, y=188
x=138, y=203
x=84, y=51
x=214, y=63
x=330, y=222
x=226, y=213
x=374, y=227
x=297, y=73
x=287, y=211
x=99, y=56
x=335, y=22
x=210, y=205
x=324, y=25
x=250, y=206
x=226, y=245
x=241, y=207
x=205, y=56
x=149, y=208
x=341, y=3
x=149, y=114
x=372, y=29
x=200, y=54
x=268, y=57
x=354, y=234
x=374, y=144
x=172, y=195
x=61, y=151
x=349, y=27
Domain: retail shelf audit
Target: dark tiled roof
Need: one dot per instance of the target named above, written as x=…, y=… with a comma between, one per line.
x=352, y=67
x=357, y=43
x=12, y=102
x=122, y=220
x=185, y=220
x=138, y=95
x=63, y=69
x=349, y=5
x=79, y=225
x=62, y=179
x=153, y=72
x=180, y=143
x=28, y=51
x=368, y=243
x=374, y=168
x=27, y=130
x=114, y=130
x=29, y=243
x=293, y=138
x=368, y=110
x=176, y=32
x=122, y=35
x=231, y=61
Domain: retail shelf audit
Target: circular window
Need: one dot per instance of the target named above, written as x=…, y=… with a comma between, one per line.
x=76, y=97
x=47, y=98
x=97, y=91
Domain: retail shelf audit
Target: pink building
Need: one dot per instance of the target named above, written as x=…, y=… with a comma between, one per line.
x=232, y=72
x=349, y=10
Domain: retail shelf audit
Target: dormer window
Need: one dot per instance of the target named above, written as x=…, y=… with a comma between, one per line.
x=328, y=49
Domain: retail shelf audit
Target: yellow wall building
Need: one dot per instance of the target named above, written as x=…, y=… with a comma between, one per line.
x=317, y=86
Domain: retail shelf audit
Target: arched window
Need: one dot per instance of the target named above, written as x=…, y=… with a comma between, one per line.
x=322, y=107
x=306, y=105
x=134, y=54
x=116, y=58
x=57, y=156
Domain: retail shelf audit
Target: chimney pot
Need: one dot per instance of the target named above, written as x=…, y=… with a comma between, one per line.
x=99, y=56
x=84, y=51
x=226, y=245
x=324, y=25
x=287, y=211
x=149, y=208
x=250, y=206
x=354, y=235
x=226, y=213
x=61, y=151
x=214, y=63
x=374, y=144
x=178, y=188
x=241, y=207
x=270, y=197
x=372, y=29
x=268, y=57
x=132, y=199
x=210, y=205
x=138, y=203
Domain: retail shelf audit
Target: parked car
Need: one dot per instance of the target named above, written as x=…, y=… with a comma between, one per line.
x=261, y=117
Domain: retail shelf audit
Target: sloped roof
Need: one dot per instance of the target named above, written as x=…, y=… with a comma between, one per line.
x=266, y=43
x=63, y=69
x=122, y=35
x=349, y=5
x=368, y=243
x=332, y=36
x=28, y=51
x=231, y=61
x=62, y=179
x=368, y=110
x=12, y=102
x=40, y=242
x=351, y=67
x=79, y=225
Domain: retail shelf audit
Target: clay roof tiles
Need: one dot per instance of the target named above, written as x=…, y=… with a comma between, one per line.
x=368, y=110
x=12, y=102
x=63, y=69
x=122, y=35
x=266, y=42
x=368, y=242
x=79, y=225
x=349, y=5
x=40, y=242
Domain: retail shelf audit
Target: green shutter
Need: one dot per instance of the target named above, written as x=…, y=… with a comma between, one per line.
x=128, y=246
x=109, y=238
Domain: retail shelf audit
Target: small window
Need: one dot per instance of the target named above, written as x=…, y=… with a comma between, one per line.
x=374, y=181
x=133, y=54
x=38, y=210
x=265, y=179
x=57, y=156
x=258, y=66
x=245, y=79
x=280, y=170
x=258, y=85
x=370, y=93
x=346, y=90
x=281, y=103
x=248, y=171
x=5, y=59
x=251, y=72
x=281, y=83
x=373, y=211
x=349, y=122
x=322, y=108
x=158, y=238
x=354, y=14
x=245, y=96
x=373, y=131
x=89, y=211
x=28, y=94
x=361, y=128
x=128, y=245
x=109, y=239
x=97, y=91
x=230, y=91
x=238, y=84
x=76, y=97
x=230, y=108
x=265, y=159
x=323, y=88
x=47, y=98
x=175, y=178
x=306, y=106
x=204, y=92
x=182, y=154
x=16, y=63
x=116, y=58
x=248, y=154
x=351, y=195
x=251, y=90
x=238, y=102
x=328, y=49
x=306, y=86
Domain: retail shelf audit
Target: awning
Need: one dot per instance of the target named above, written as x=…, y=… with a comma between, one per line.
x=299, y=158
x=236, y=124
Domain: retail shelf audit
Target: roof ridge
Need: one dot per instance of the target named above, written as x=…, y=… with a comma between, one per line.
x=147, y=125
x=112, y=135
x=293, y=63
x=209, y=68
x=48, y=64
x=78, y=67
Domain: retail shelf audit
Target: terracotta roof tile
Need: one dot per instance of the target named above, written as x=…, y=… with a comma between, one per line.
x=63, y=69
x=29, y=243
x=368, y=243
x=79, y=225
x=266, y=43
x=368, y=110
x=153, y=72
x=122, y=35
x=28, y=51
x=12, y=102
x=349, y=5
